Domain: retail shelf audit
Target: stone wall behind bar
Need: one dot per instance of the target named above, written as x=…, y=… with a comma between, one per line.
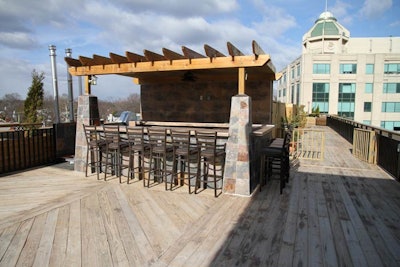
x=202, y=101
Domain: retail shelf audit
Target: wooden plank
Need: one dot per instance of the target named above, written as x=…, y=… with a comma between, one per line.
x=28, y=253
x=74, y=242
x=171, y=55
x=257, y=50
x=314, y=236
x=100, y=60
x=95, y=250
x=43, y=252
x=134, y=58
x=6, y=237
x=59, y=248
x=11, y=256
x=242, y=81
x=118, y=59
x=139, y=251
x=152, y=56
x=117, y=248
x=72, y=62
x=189, y=53
x=233, y=51
x=212, y=52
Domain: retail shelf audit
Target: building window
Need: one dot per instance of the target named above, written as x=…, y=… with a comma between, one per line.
x=367, y=106
x=369, y=69
x=292, y=73
x=392, y=68
x=320, y=97
x=391, y=107
x=298, y=70
x=279, y=93
x=284, y=92
x=391, y=88
x=284, y=77
x=368, y=122
x=369, y=88
x=391, y=125
x=297, y=94
x=348, y=68
x=319, y=68
x=292, y=91
x=347, y=93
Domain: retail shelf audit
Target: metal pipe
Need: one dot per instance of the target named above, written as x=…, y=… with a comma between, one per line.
x=52, y=49
x=68, y=53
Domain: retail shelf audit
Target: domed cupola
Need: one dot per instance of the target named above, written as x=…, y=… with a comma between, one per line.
x=326, y=27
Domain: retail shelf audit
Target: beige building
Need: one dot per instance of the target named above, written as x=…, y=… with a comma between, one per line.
x=357, y=78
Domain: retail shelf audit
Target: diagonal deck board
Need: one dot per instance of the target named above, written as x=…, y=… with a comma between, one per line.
x=339, y=211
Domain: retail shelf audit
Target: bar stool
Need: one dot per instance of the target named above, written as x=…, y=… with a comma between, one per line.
x=94, y=148
x=184, y=153
x=139, y=148
x=212, y=155
x=275, y=159
x=160, y=150
x=116, y=145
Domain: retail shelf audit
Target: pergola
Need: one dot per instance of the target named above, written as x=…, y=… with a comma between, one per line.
x=178, y=87
x=172, y=66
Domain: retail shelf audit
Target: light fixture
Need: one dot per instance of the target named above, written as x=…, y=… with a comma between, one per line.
x=93, y=80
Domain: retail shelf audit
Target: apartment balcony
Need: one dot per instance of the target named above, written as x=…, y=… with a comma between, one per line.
x=339, y=211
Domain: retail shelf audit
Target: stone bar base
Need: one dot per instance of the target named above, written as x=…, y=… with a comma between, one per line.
x=88, y=114
x=237, y=162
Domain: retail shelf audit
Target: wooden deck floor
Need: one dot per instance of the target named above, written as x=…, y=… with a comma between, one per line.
x=336, y=212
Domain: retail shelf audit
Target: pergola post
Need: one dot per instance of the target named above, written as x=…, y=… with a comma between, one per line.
x=237, y=175
x=242, y=81
x=88, y=89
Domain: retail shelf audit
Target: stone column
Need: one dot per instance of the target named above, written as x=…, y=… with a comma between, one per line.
x=88, y=114
x=237, y=162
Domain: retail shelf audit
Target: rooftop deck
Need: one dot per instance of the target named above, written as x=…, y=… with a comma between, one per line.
x=336, y=212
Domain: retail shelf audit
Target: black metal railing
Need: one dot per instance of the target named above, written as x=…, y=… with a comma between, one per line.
x=25, y=145
x=388, y=142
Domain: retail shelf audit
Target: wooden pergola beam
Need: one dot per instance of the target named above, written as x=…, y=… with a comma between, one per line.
x=134, y=70
x=152, y=56
x=190, y=54
x=118, y=59
x=233, y=51
x=87, y=61
x=257, y=50
x=212, y=52
x=100, y=60
x=134, y=58
x=171, y=55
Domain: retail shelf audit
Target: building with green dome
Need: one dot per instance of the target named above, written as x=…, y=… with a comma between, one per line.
x=356, y=78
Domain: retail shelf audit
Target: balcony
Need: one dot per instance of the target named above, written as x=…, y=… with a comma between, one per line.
x=339, y=211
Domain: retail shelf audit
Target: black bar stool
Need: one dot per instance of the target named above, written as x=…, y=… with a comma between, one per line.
x=275, y=159
x=185, y=153
x=212, y=158
x=139, y=149
x=116, y=145
x=94, y=148
x=160, y=151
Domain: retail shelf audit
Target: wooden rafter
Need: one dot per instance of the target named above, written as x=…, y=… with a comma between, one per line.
x=233, y=51
x=211, y=52
x=190, y=54
x=87, y=61
x=171, y=55
x=100, y=60
x=118, y=59
x=151, y=56
x=72, y=62
x=134, y=58
x=257, y=50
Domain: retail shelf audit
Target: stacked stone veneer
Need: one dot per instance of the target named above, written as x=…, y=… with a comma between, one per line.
x=237, y=176
x=88, y=114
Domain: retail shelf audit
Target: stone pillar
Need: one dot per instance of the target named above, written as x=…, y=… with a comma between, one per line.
x=237, y=162
x=88, y=114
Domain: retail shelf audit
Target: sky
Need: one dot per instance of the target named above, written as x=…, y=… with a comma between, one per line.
x=88, y=27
